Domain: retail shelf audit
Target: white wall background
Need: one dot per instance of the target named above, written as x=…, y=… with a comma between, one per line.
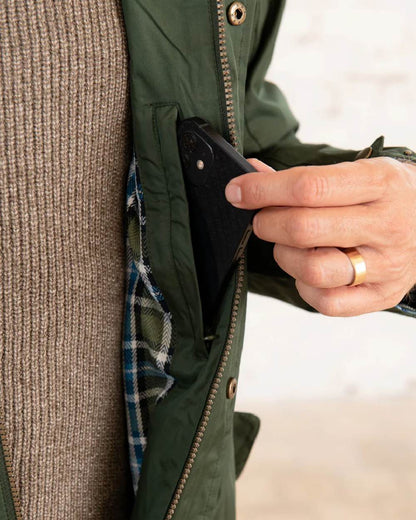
x=348, y=70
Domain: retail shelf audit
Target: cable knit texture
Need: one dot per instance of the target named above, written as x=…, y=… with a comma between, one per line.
x=64, y=154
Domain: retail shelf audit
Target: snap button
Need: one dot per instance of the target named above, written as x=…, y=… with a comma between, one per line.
x=237, y=13
x=231, y=388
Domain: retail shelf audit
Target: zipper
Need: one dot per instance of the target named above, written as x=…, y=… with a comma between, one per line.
x=8, y=463
x=226, y=73
x=232, y=133
x=212, y=393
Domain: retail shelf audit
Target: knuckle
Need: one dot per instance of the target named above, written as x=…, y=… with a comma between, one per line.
x=395, y=267
x=302, y=229
x=329, y=305
x=310, y=189
x=313, y=274
x=255, y=192
x=390, y=171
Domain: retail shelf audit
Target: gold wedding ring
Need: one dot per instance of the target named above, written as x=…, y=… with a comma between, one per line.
x=358, y=264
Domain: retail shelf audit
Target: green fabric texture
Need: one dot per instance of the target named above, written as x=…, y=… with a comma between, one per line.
x=7, y=511
x=175, y=69
x=176, y=73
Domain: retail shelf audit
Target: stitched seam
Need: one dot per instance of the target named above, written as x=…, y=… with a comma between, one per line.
x=172, y=253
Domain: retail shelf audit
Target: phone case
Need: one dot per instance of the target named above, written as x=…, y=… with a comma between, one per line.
x=219, y=230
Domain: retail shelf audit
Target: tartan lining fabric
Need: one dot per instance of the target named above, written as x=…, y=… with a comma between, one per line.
x=147, y=345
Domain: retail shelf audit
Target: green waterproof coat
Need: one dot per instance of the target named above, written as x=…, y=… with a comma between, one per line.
x=195, y=58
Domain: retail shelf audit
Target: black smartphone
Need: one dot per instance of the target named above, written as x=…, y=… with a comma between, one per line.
x=220, y=231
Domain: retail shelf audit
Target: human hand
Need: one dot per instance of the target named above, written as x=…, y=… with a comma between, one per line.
x=309, y=212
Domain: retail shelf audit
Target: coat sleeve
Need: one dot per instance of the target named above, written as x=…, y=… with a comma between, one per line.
x=270, y=135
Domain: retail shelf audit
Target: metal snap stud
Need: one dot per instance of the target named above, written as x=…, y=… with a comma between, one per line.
x=231, y=388
x=237, y=13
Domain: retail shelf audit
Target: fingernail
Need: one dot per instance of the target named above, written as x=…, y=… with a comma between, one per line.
x=233, y=193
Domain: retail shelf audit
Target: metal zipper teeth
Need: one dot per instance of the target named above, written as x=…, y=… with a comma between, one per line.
x=226, y=73
x=229, y=102
x=8, y=464
x=212, y=394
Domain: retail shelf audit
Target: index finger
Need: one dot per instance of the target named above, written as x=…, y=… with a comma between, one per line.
x=342, y=184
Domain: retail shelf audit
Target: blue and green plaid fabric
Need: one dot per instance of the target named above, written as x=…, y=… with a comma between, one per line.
x=147, y=330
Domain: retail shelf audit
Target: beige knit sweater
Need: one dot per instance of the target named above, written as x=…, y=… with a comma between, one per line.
x=64, y=154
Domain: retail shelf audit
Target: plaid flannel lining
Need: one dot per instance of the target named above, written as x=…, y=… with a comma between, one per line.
x=147, y=331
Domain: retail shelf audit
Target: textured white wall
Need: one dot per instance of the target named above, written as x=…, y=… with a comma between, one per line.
x=348, y=70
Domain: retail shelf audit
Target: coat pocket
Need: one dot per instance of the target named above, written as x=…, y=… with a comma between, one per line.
x=162, y=302
x=168, y=229
x=168, y=232
x=178, y=430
